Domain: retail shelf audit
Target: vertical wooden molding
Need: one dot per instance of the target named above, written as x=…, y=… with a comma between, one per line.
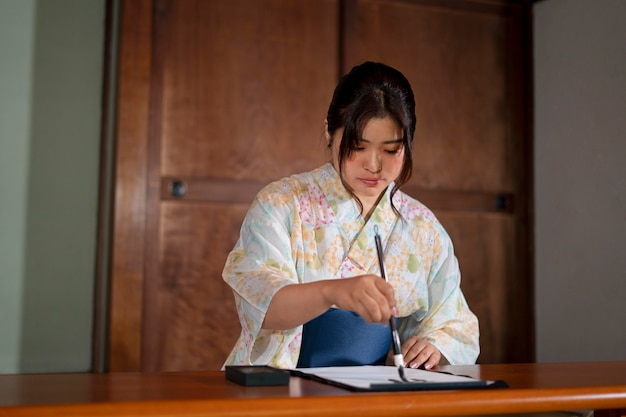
x=152, y=346
x=520, y=85
x=128, y=245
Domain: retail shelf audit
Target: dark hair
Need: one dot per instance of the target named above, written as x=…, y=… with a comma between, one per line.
x=372, y=90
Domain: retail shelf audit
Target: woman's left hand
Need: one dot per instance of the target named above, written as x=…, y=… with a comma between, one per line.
x=418, y=351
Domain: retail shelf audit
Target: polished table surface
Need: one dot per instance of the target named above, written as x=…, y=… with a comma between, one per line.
x=532, y=388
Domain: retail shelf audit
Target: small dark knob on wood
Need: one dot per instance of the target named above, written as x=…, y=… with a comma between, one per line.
x=178, y=188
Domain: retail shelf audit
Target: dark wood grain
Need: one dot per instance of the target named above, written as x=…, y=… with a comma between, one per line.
x=246, y=85
x=195, y=309
x=128, y=240
x=243, y=191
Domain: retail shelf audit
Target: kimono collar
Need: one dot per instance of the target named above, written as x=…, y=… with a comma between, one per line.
x=362, y=250
x=343, y=204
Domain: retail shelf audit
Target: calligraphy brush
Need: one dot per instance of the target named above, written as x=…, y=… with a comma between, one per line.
x=398, y=360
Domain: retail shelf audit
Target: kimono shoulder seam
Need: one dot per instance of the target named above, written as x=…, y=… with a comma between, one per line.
x=279, y=199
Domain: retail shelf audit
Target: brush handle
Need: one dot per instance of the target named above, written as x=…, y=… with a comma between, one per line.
x=395, y=338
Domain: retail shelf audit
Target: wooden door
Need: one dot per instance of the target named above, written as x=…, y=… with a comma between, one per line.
x=465, y=61
x=217, y=98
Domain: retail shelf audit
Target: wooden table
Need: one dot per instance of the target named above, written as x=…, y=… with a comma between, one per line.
x=533, y=388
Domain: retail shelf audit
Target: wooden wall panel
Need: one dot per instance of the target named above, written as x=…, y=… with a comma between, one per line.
x=246, y=85
x=224, y=96
x=456, y=62
x=238, y=99
x=464, y=60
x=194, y=323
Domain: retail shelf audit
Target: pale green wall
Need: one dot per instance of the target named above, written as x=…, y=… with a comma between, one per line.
x=17, y=20
x=51, y=56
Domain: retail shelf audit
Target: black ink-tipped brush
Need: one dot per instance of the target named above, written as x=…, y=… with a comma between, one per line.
x=398, y=360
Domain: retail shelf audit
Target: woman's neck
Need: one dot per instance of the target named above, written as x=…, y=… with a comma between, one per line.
x=369, y=206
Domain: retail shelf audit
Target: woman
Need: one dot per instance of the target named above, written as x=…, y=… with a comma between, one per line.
x=304, y=271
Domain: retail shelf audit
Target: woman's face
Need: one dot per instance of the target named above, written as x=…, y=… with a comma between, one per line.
x=375, y=163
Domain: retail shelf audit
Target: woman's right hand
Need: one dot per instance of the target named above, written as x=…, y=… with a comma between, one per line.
x=370, y=296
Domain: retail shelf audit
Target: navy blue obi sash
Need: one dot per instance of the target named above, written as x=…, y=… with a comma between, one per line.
x=342, y=338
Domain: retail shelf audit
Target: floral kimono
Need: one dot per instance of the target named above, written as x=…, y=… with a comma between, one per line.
x=307, y=228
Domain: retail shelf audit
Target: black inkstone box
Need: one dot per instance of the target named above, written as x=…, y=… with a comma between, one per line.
x=257, y=375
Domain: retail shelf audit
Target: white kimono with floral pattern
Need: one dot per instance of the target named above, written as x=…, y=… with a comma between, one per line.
x=307, y=228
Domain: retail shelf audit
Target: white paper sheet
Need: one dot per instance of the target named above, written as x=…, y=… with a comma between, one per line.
x=366, y=377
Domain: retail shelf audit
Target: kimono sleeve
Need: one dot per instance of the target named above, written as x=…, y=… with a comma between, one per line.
x=259, y=265
x=449, y=324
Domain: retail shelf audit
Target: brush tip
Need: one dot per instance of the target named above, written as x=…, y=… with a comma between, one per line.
x=401, y=373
